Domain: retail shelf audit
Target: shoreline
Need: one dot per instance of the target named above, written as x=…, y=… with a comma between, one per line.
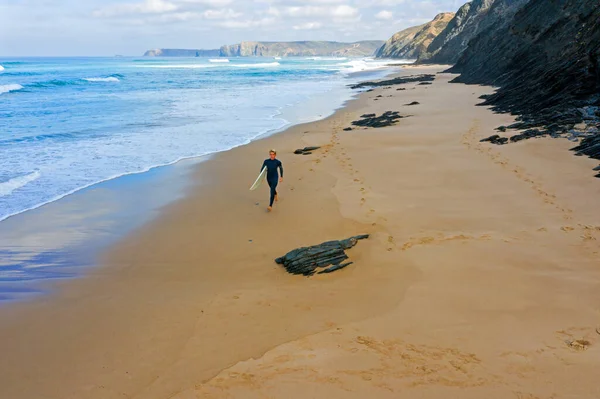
x=468, y=243
x=67, y=261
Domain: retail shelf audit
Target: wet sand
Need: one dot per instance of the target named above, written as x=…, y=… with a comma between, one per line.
x=482, y=267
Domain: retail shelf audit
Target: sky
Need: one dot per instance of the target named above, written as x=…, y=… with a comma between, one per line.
x=130, y=27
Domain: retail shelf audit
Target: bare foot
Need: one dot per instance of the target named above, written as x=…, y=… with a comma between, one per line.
x=276, y=197
x=269, y=208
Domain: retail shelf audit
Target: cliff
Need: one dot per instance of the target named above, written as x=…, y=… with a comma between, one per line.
x=470, y=20
x=545, y=61
x=412, y=42
x=165, y=52
x=301, y=49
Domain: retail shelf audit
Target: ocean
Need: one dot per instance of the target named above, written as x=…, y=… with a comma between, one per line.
x=68, y=123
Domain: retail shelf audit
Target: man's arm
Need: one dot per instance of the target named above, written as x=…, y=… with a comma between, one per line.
x=281, y=169
x=263, y=165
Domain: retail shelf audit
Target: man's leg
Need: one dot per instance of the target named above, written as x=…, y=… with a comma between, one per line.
x=273, y=185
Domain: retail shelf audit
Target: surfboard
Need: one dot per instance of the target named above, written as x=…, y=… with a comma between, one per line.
x=259, y=179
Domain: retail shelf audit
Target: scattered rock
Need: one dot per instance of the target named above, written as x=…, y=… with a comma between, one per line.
x=305, y=150
x=501, y=129
x=395, y=81
x=388, y=118
x=347, y=129
x=495, y=139
x=306, y=260
x=597, y=168
x=379, y=96
x=425, y=83
x=527, y=134
x=401, y=88
x=589, y=146
x=413, y=103
x=368, y=115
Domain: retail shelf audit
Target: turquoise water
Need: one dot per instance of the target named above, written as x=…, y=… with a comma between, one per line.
x=68, y=123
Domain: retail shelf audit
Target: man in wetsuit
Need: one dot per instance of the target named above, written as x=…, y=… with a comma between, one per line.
x=272, y=176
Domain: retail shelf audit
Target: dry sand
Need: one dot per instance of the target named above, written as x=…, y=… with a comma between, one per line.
x=483, y=264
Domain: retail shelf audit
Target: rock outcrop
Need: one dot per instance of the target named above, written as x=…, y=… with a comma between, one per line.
x=411, y=43
x=301, y=49
x=166, y=52
x=545, y=61
x=470, y=20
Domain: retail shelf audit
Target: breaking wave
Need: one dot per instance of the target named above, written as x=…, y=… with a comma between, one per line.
x=9, y=88
x=7, y=187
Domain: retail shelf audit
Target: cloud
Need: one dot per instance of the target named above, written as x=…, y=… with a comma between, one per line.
x=384, y=15
x=146, y=7
x=308, y=26
x=105, y=27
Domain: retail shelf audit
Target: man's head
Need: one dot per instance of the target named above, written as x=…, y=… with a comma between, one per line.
x=272, y=154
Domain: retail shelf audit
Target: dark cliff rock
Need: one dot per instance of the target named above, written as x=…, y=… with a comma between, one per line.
x=412, y=42
x=546, y=62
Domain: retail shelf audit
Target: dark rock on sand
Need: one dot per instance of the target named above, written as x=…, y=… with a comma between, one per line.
x=306, y=260
x=388, y=118
x=347, y=129
x=305, y=150
x=368, y=115
x=401, y=88
x=396, y=81
x=413, y=103
x=495, y=139
x=527, y=134
x=501, y=128
x=589, y=146
x=425, y=83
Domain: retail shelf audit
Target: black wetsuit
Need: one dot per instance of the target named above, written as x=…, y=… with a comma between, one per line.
x=272, y=175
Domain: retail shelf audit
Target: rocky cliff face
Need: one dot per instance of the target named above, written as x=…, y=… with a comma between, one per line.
x=165, y=52
x=411, y=43
x=545, y=59
x=546, y=62
x=449, y=44
x=301, y=49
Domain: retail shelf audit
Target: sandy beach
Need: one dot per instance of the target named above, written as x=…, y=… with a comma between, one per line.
x=480, y=278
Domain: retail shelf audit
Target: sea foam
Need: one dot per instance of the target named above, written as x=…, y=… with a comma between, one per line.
x=218, y=60
x=9, y=88
x=1, y=68
x=7, y=187
x=109, y=79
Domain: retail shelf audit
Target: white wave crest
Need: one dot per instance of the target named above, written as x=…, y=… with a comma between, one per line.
x=9, y=88
x=261, y=65
x=218, y=60
x=1, y=68
x=7, y=187
x=176, y=66
x=326, y=58
x=368, y=64
x=109, y=79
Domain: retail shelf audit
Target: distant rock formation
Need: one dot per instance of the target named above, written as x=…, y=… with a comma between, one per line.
x=471, y=19
x=167, y=52
x=301, y=49
x=411, y=43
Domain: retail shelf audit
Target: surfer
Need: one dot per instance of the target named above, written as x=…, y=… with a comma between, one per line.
x=272, y=176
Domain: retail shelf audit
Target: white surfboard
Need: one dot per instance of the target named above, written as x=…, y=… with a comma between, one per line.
x=259, y=179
